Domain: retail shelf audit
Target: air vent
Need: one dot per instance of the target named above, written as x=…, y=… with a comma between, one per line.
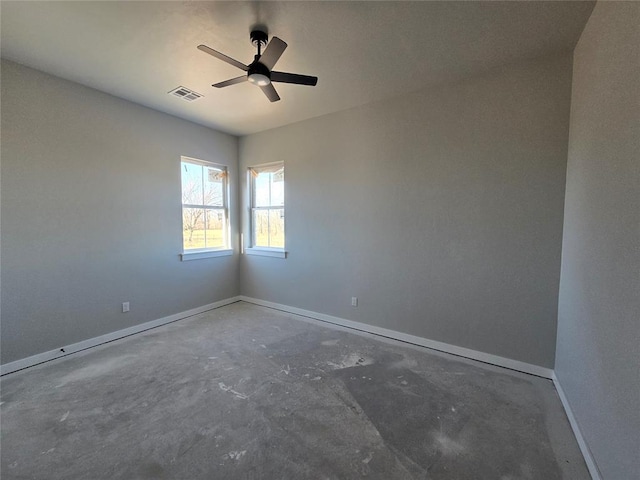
x=186, y=94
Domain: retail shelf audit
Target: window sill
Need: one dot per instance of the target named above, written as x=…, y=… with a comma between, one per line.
x=266, y=252
x=200, y=254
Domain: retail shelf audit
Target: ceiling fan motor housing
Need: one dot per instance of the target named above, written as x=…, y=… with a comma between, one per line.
x=258, y=74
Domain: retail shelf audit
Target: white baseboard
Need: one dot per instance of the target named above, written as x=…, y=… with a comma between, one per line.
x=582, y=443
x=108, y=337
x=405, y=337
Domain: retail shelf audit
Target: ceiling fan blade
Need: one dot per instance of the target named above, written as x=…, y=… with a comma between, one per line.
x=293, y=78
x=233, y=81
x=273, y=52
x=223, y=57
x=270, y=92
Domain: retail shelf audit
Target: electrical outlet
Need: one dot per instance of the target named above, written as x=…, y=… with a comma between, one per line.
x=354, y=301
x=125, y=307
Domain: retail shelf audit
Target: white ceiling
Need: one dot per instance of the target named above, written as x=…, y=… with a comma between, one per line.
x=361, y=51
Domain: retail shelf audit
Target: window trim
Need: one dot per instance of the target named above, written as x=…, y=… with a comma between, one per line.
x=278, y=252
x=208, y=252
x=266, y=252
x=199, y=254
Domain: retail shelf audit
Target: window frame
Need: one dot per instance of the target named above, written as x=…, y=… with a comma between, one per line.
x=207, y=252
x=267, y=251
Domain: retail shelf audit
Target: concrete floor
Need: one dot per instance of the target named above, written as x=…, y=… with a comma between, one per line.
x=246, y=392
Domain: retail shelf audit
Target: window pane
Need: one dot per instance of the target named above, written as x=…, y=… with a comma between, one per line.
x=269, y=189
x=277, y=189
x=192, y=184
x=276, y=227
x=261, y=190
x=261, y=228
x=216, y=226
x=193, y=228
x=214, y=182
x=268, y=227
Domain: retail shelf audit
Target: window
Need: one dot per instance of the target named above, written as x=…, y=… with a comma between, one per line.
x=267, y=206
x=205, y=219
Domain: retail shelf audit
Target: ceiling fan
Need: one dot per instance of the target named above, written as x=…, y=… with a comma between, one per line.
x=260, y=72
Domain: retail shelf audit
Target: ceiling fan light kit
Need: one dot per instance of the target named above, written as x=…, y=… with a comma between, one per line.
x=260, y=72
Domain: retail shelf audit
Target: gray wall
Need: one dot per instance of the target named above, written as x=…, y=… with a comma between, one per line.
x=441, y=210
x=91, y=214
x=598, y=360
